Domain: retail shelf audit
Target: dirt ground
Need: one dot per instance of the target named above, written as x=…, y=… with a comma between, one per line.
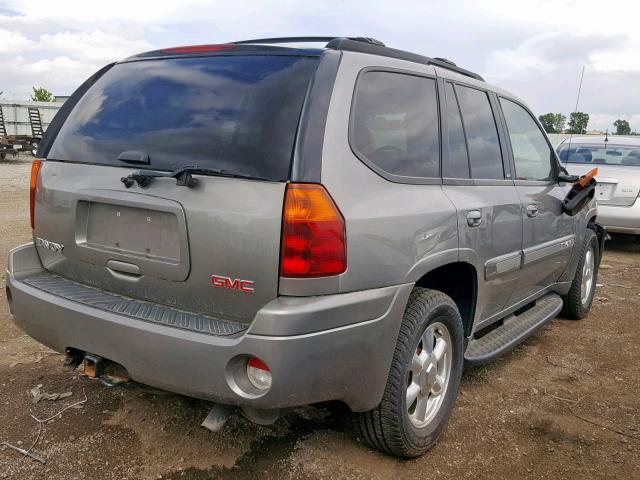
x=563, y=405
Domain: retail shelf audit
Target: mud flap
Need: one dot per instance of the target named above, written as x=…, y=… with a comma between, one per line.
x=603, y=236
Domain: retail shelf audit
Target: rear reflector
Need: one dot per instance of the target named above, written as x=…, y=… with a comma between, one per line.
x=35, y=173
x=200, y=48
x=313, y=233
x=259, y=374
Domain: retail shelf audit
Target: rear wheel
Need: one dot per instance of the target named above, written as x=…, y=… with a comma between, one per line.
x=3, y=155
x=577, y=302
x=423, y=380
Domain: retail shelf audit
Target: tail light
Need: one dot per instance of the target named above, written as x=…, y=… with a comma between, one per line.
x=313, y=233
x=36, y=165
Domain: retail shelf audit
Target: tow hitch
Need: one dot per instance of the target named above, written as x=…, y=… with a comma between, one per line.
x=96, y=367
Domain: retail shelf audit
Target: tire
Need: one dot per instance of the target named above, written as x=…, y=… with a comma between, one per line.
x=577, y=302
x=34, y=147
x=3, y=155
x=393, y=426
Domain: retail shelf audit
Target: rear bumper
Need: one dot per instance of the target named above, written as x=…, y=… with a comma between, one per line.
x=334, y=347
x=620, y=219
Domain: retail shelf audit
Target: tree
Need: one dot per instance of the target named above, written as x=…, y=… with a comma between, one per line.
x=559, y=122
x=548, y=122
x=622, y=127
x=553, y=122
x=41, y=94
x=578, y=122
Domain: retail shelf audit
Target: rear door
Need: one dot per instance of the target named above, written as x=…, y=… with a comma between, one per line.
x=213, y=247
x=474, y=178
x=548, y=233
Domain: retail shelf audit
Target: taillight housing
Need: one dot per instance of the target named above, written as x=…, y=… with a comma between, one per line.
x=36, y=165
x=313, y=233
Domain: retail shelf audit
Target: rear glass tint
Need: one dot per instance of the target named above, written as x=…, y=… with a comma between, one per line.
x=482, y=134
x=600, y=154
x=395, y=123
x=237, y=113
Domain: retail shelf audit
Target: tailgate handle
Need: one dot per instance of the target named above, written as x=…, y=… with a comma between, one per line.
x=123, y=267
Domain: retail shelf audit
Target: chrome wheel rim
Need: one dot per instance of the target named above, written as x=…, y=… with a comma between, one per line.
x=588, y=268
x=428, y=376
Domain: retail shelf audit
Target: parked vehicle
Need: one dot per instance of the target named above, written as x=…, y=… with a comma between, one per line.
x=268, y=227
x=22, y=124
x=618, y=189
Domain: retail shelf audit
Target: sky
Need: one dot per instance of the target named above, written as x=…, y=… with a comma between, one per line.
x=535, y=49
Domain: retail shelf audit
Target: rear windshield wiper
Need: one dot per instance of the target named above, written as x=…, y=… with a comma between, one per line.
x=183, y=176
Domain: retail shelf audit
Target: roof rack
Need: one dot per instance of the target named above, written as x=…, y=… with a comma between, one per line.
x=372, y=41
x=354, y=46
x=369, y=45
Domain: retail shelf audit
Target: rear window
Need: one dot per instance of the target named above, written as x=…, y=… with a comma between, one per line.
x=237, y=113
x=600, y=154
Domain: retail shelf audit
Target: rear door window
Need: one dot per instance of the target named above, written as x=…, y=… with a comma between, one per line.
x=238, y=113
x=395, y=123
x=457, y=164
x=482, y=134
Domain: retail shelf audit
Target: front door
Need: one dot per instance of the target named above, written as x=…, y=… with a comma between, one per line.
x=548, y=233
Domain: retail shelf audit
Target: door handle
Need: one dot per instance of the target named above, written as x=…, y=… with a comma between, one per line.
x=474, y=218
x=532, y=210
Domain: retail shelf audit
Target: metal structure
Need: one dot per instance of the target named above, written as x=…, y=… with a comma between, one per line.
x=22, y=125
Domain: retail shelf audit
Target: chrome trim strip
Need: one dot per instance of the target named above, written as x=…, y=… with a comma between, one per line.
x=502, y=264
x=547, y=249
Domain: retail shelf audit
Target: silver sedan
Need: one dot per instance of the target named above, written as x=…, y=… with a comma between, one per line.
x=618, y=163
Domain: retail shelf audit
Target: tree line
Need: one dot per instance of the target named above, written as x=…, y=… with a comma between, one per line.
x=578, y=121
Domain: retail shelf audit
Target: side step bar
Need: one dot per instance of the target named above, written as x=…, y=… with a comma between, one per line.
x=514, y=330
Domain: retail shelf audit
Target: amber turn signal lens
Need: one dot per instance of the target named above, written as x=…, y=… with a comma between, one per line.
x=36, y=165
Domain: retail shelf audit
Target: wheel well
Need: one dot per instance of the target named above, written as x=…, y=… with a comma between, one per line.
x=459, y=281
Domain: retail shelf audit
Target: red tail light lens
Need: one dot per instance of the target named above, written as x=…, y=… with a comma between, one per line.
x=36, y=165
x=313, y=233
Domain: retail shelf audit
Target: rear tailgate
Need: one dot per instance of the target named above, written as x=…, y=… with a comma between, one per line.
x=165, y=243
x=213, y=247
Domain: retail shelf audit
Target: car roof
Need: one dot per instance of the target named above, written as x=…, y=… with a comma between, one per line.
x=596, y=139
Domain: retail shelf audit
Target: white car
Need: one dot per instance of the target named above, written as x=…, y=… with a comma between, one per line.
x=618, y=163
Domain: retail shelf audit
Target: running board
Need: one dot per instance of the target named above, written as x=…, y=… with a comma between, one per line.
x=514, y=330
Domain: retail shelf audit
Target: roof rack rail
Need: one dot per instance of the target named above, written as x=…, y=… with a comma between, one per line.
x=361, y=47
x=369, y=45
x=371, y=41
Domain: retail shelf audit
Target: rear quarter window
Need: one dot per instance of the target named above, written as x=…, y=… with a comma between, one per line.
x=394, y=124
x=237, y=113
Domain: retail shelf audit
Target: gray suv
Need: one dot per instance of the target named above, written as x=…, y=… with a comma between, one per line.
x=269, y=226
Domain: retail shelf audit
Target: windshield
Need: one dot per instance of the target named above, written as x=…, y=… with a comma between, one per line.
x=600, y=154
x=238, y=113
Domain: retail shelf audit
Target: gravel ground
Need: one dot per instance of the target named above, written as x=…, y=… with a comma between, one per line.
x=563, y=405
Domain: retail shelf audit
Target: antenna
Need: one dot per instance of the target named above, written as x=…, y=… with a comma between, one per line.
x=575, y=110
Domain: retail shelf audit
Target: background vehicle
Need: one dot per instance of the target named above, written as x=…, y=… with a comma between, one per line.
x=618, y=189
x=268, y=227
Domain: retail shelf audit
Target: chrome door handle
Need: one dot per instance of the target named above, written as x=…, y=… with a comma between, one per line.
x=532, y=210
x=474, y=218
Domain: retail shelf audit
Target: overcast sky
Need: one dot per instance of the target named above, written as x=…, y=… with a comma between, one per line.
x=534, y=48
